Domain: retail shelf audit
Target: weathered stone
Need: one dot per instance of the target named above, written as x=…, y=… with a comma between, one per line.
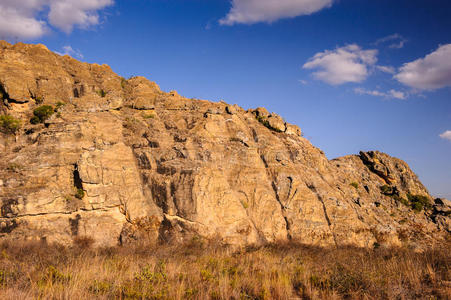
x=293, y=129
x=123, y=161
x=276, y=122
x=141, y=93
x=261, y=112
x=232, y=109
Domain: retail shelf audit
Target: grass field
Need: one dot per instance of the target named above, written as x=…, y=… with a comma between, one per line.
x=201, y=270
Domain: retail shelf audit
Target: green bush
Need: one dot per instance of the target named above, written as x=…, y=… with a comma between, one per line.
x=101, y=93
x=401, y=200
x=419, y=202
x=59, y=104
x=417, y=206
x=41, y=114
x=39, y=100
x=386, y=190
x=35, y=120
x=9, y=124
x=148, y=116
x=355, y=185
x=79, y=194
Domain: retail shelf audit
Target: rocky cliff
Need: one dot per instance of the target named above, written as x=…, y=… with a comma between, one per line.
x=86, y=152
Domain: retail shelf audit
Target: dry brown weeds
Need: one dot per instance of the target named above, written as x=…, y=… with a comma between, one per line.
x=208, y=270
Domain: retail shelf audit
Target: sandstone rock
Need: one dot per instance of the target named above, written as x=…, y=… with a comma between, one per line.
x=141, y=93
x=261, y=112
x=293, y=129
x=271, y=121
x=441, y=213
x=276, y=122
x=123, y=161
x=232, y=109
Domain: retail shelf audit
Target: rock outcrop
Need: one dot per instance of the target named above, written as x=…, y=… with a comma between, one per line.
x=120, y=160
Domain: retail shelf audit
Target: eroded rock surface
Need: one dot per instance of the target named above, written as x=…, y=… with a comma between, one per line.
x=120, y=160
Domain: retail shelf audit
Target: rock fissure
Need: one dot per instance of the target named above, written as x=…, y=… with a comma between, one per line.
x=178, y=218
x=326, y=216
x=105, y=208
x=283, y=210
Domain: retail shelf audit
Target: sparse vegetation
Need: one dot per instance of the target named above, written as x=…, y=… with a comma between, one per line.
x=39, y=99
x=208, y=270
x=123, y=82
x=41, y=114
x=80, y=193
x=355, y=185
x=265, y=123
x=59, y=105
x=9, y=124
x=148, y=116
x=419, y=202
x=14, y=167
x=131, y=123
x=387, y=190
x=416, y=202
x=101, y=93
x=402, y=200
x=245, y=204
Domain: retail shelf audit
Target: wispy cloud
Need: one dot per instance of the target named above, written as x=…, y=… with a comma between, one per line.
x=394, y=41
x=255, y=11
x=391, y=94
x=342, y=65
x=428, y=73
x=446, y=135
x=68, y=50
x=386, y=69
x=21, y=19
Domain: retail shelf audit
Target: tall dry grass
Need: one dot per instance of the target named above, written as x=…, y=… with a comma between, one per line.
x=201, y=270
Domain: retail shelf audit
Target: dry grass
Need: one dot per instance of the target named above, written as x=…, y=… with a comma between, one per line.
x=201, y=270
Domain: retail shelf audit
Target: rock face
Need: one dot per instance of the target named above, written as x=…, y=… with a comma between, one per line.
x=120, y=160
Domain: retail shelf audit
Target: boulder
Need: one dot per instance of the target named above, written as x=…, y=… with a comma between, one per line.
x=293, y=129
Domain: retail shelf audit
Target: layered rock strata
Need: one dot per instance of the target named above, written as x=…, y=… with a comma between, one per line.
x=120, y=160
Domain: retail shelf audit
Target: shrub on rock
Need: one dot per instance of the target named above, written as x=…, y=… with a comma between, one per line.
x=9, y=124
x=41, y=114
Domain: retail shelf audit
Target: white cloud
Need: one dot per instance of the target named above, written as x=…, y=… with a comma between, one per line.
x=65, y=14
x=390, y=94
x=19, y=19
x=396, y=41
x=446, y=135
x=386, y=69
x=428, y=73
x=254, y=11
x=397, y=94
x=362, y=91
x=346, y=64
x=68, y=50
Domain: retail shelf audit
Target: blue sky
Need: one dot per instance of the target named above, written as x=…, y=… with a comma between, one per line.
x=353, y=74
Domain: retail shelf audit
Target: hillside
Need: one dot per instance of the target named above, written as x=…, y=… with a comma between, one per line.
x=87, y=153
